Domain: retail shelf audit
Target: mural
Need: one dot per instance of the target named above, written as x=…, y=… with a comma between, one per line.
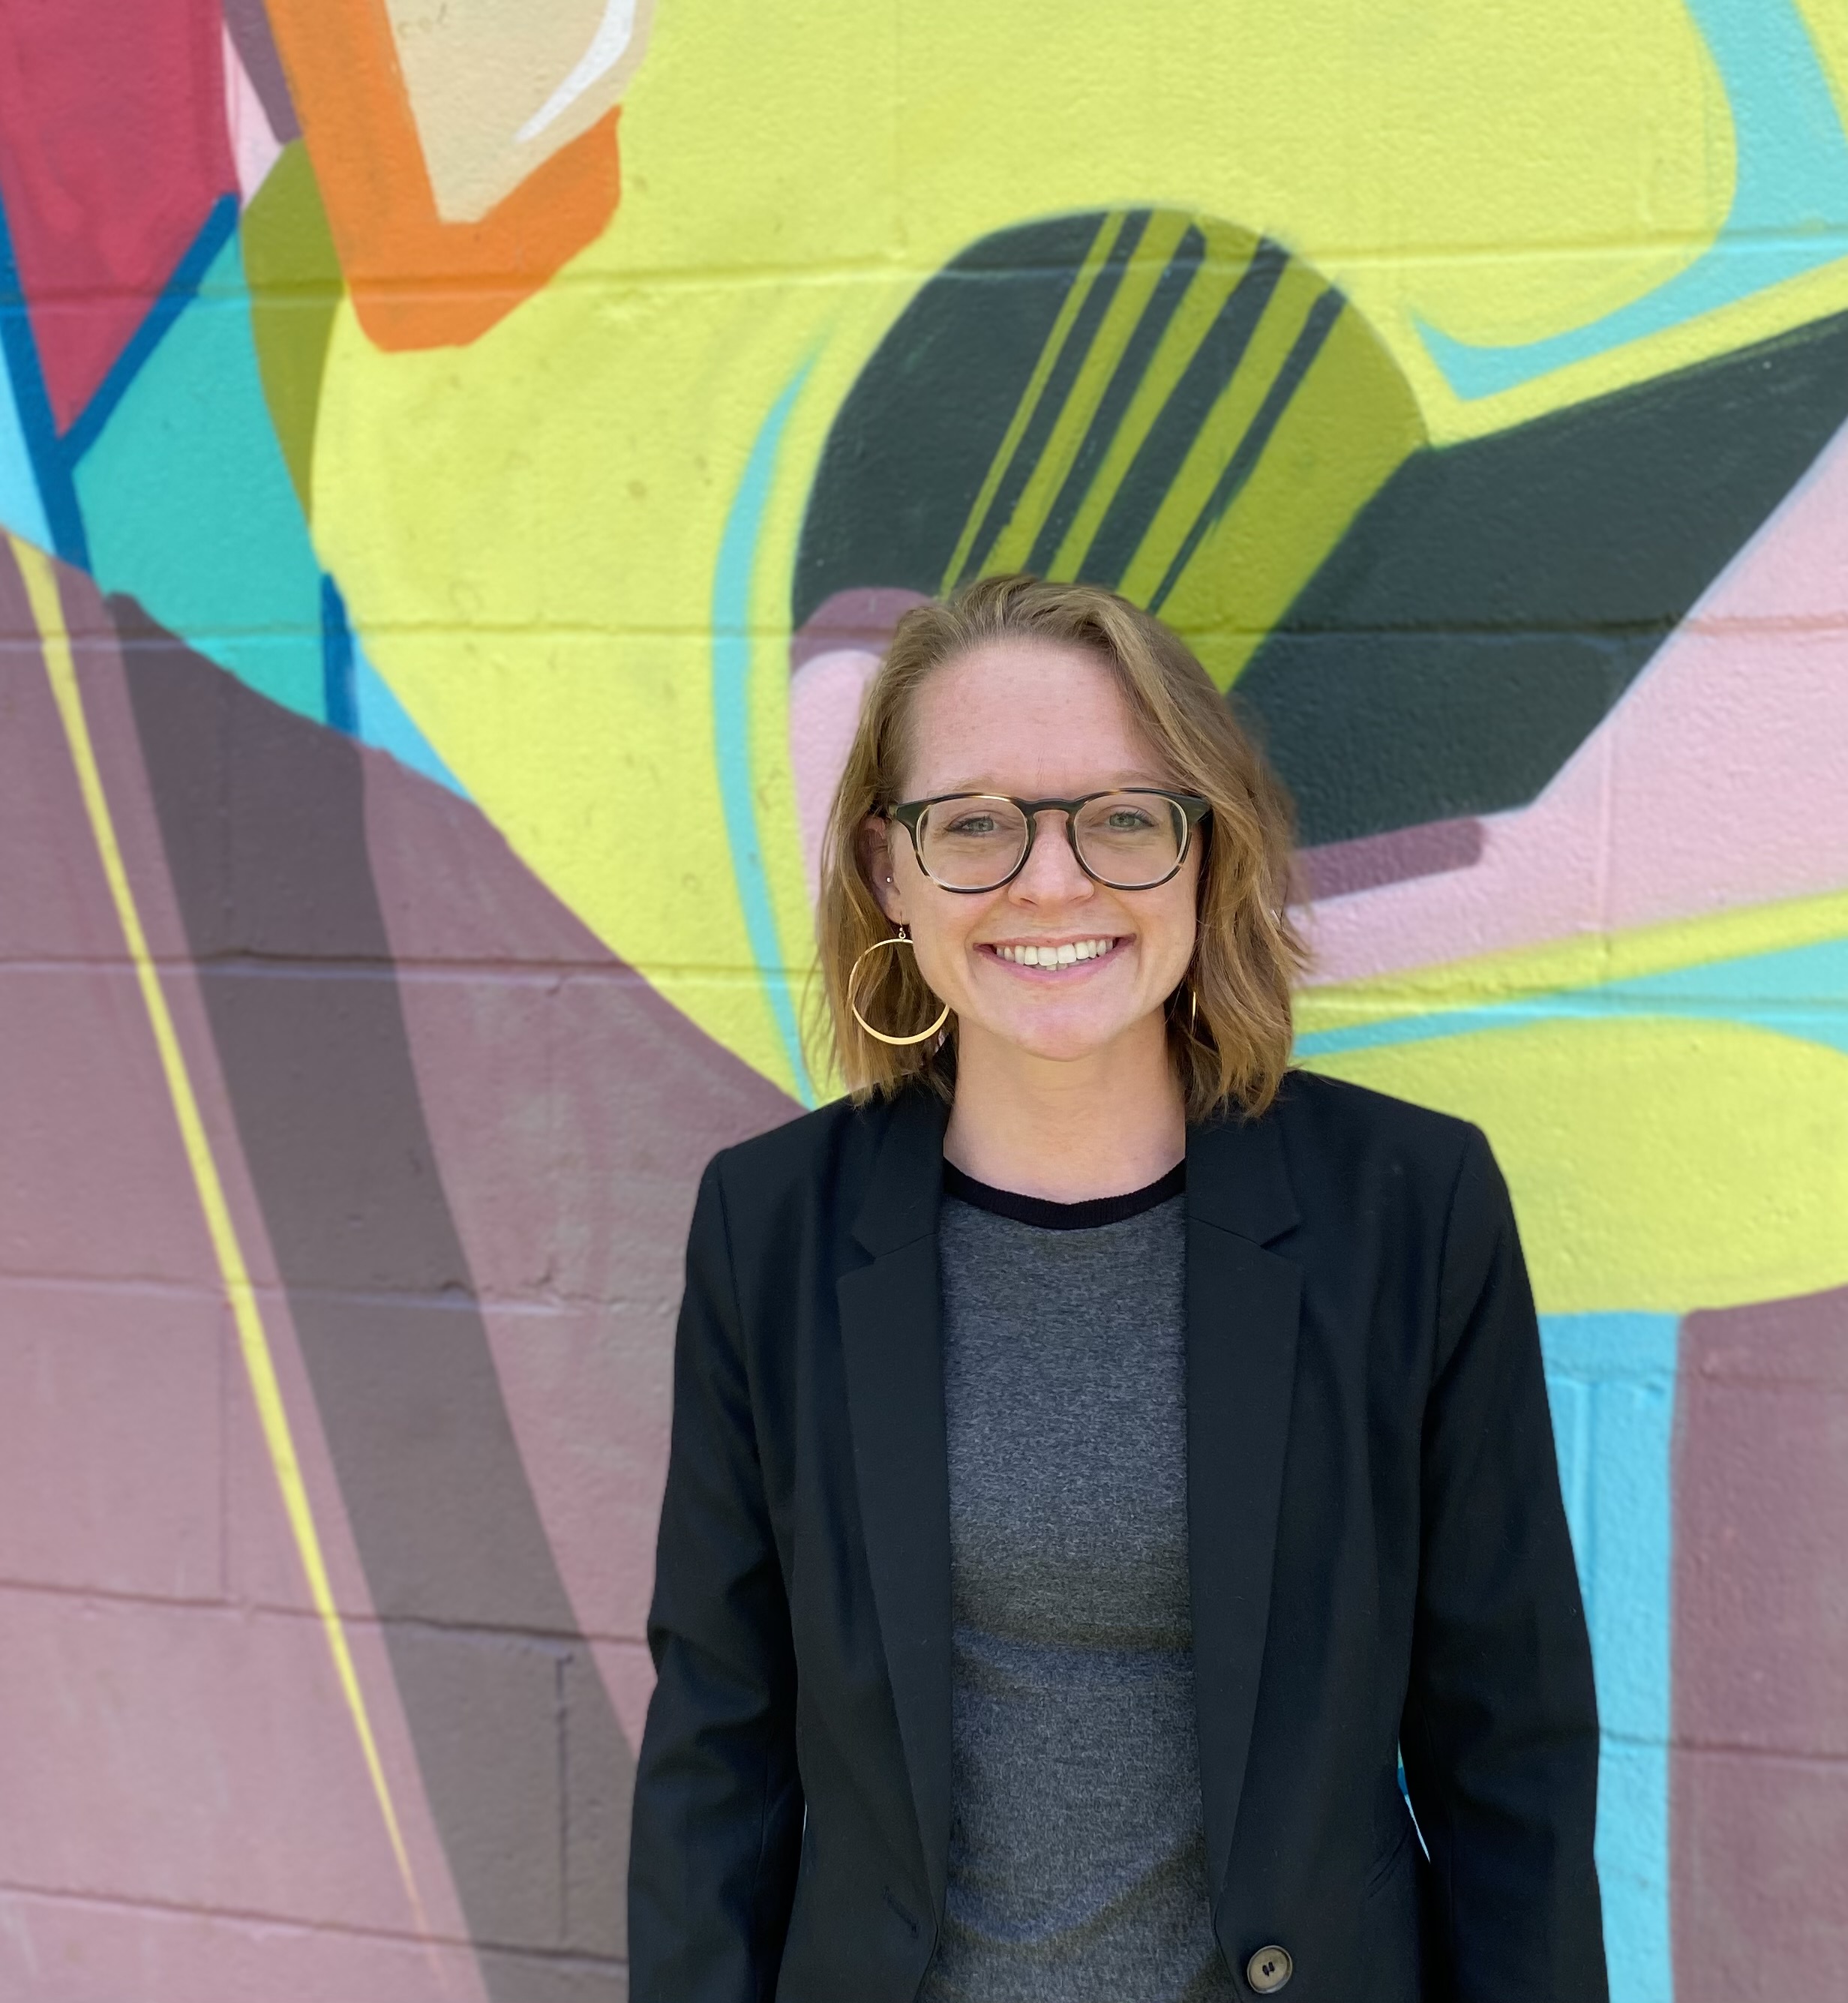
x=458, y=467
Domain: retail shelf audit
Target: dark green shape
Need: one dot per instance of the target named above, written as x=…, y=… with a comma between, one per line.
x=1164, y=451
x=1183, y=269
x=887, y=508
x=1495, y=599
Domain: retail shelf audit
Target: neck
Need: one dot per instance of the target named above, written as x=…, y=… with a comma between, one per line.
x=1100, y=1125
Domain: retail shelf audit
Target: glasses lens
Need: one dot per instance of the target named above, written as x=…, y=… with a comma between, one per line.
x=973, y=843
x=1130, y=840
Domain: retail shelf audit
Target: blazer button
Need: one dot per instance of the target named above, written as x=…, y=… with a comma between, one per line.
x=1268, y=1970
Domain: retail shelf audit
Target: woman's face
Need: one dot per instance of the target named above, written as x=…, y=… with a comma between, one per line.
x=1034, y=720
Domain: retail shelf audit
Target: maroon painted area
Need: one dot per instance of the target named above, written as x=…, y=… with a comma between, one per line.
x=113, y=147
x=1760, y=1773
x=166, y=1743
x=1338, y=868
x=114, y=1472
x=187, y=1756
x=474, y=1136
x=459, y=1142
x=87, y=1950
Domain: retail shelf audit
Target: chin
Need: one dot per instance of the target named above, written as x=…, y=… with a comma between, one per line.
x=1062, y=1042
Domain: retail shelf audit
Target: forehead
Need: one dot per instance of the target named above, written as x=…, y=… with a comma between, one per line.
x=1024, y=715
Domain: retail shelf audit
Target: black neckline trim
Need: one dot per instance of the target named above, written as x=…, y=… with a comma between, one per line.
x=1045, y=1215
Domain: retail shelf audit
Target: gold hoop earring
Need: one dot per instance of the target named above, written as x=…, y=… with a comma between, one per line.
x=901, y=937
x=1192, y=995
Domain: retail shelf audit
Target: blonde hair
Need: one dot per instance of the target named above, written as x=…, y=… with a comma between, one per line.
x=1229, y=1022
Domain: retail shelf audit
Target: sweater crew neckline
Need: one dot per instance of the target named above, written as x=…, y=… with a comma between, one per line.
x=1044, y=1215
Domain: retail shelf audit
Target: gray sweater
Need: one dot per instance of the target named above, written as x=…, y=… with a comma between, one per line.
x=1077, y=1861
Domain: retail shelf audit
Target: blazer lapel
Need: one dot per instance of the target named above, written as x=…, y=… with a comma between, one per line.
x=1242, y=1303
x=892, y=1338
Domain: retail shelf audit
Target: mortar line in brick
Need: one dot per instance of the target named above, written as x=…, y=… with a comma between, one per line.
x=545, y=974
x=218, y=1604
x=887, y=263
x=699, y=633
x=1788, y=1755
x=293, y=1923
x=535, y=1299
x=227, y=1335
x=550, y=1640
x=562, y=1719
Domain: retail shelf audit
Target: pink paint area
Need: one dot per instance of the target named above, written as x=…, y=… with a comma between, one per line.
x=825, y=694
x=864, y=617
x=254, y=148
x=1721, y=779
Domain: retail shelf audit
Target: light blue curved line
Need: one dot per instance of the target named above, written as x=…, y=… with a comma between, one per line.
x=1789, y=212
x=1610, y=1379
x=1801, y=992
x=731, y=722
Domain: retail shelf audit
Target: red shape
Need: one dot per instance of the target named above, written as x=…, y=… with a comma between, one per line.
x=113, y=149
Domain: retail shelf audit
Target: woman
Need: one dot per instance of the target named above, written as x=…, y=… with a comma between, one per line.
x=1098, y=1454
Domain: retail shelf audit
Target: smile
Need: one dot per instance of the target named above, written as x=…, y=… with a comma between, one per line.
x=1066, y=954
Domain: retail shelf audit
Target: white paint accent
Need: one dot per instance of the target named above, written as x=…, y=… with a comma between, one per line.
x=607, y=47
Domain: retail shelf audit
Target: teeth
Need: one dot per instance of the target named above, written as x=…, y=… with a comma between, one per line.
x=1056, y=956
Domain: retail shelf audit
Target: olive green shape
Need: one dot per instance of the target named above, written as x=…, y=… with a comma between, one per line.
x=295, y=289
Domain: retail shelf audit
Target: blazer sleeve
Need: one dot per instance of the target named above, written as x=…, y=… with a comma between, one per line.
x=1500, y=1734
x=717, y=1819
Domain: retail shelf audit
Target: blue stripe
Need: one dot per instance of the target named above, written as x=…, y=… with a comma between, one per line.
x=1790, y=206
x=1611, y=1381
x=1798, y=992
x=731, y=724
x=382, y=722
x=57, y=493
x=340, y=702
x=175, y=296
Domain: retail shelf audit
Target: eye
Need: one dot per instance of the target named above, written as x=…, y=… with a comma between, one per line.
x=1129, y=820
x=973, y=824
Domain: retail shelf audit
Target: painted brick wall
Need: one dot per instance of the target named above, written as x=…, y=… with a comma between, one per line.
x=459, y=466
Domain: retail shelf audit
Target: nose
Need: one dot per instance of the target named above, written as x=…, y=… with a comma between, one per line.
x=1052, y=875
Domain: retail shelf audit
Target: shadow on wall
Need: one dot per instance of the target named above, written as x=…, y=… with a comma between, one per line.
x=472, y=1136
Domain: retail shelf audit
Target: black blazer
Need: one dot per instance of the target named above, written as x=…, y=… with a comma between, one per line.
x=1379, y=1559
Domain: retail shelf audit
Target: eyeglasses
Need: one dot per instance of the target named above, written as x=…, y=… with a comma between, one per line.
x=1130, y=839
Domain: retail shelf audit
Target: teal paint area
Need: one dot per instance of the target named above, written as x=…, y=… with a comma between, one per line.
x=380, y=720
x=731, y=725
x=1789, y=214
x=189, y=506
x=1611, y=1381
x=1800, y=991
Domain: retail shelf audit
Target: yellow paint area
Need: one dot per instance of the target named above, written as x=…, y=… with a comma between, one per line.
x=1586, y=960
x=527, y=529
x=1656, y=1164
x=1349, y=425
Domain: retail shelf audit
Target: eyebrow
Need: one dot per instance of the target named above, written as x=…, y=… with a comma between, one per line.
x=1121, y=784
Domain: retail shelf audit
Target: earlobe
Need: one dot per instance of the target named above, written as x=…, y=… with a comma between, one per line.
x=875, y=866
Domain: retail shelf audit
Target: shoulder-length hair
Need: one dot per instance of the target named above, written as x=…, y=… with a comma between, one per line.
x=1229, y=1022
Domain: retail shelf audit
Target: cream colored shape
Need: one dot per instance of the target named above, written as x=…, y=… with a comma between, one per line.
x=608, y=45
x=1656, y=1163
x=497, y=86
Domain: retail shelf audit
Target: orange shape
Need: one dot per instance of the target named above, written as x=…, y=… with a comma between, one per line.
x=417, y=280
